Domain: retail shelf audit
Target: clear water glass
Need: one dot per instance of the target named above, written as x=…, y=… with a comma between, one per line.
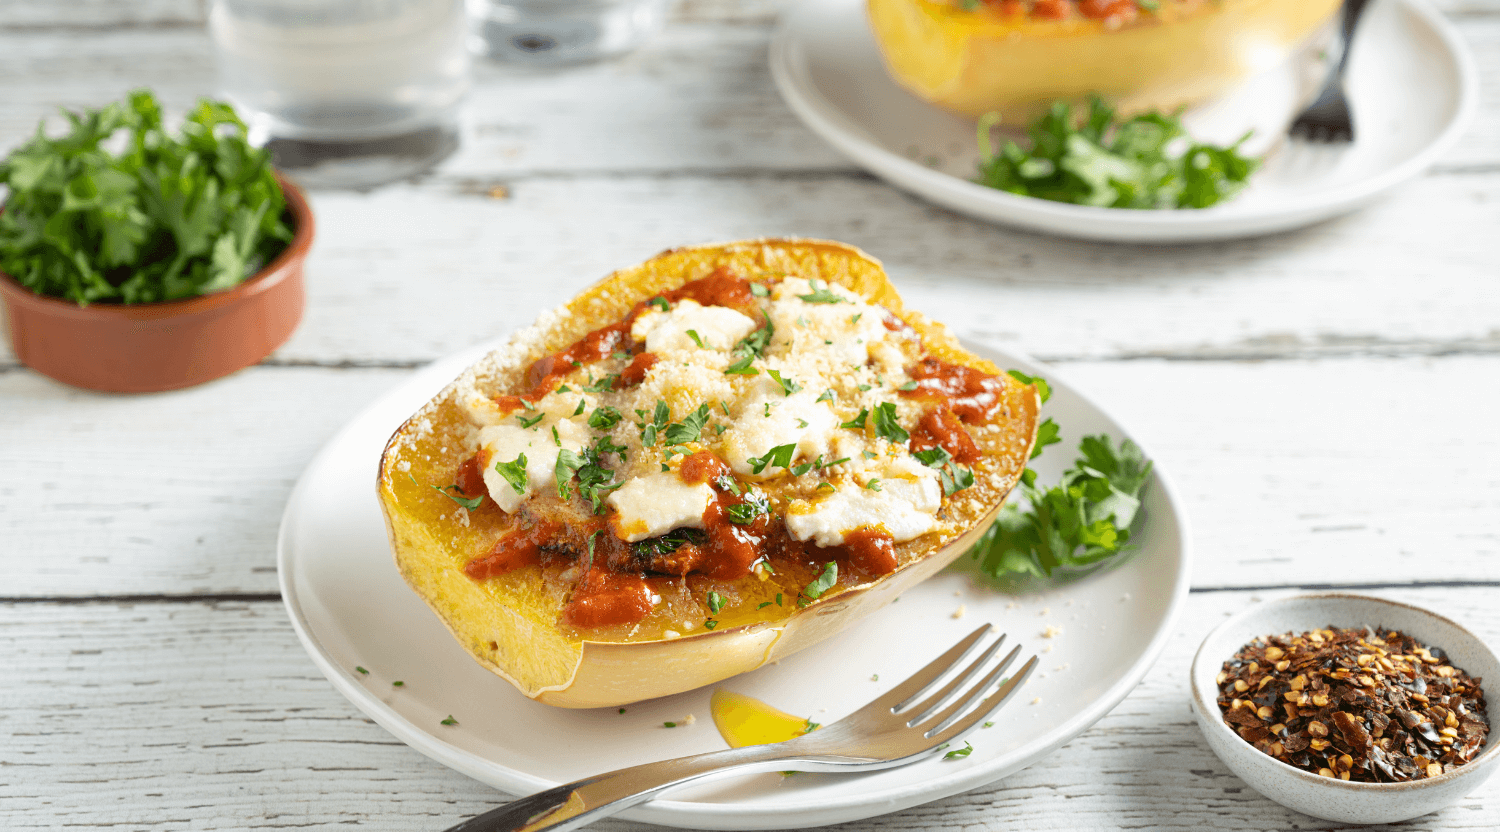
x=562, y=31
x=345, y=93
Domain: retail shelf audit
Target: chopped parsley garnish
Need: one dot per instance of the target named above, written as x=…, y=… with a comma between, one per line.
x=594, y=480
x=742, y=367
x=693, y=334
x=823, y=582
x=788, y=387
x=744, y=513
x=556, y=440
x=886, y=425
x=362, y=671
x=603, y=385
x=825, y=396
x=526, y=423
x=514, y=473
x=763, y=604
x=778, y=600
x=959, y=752
x=604, y=418
x=988, y=725
x=690, y=429
x=710, y=624
x=811, y=726
x=799, y=470
x=954, y=477
x=755, y=343
x=469, y=503
x=863, y=388
x=1081, y=521
x=715, y=602
x=622, y=710
x=821, y=294
x=564, y=389
x=872, y=484
x=398, y=683
x=841, y=460
x=669, y=724
x=578, y=411
x=653, y=422
x=1047, y=433
x=858, y=422
x=668, y=543
x=592, y=538
x=660, y=303
x=908, y=387
x=778, y=457
x=727, y=483
x=854, y=319
x=759, y=290
x=605, y=446
x=1099, y=161
x=450, y=720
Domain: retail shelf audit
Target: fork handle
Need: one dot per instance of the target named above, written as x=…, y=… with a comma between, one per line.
x=1352, y=11
x=584, y=801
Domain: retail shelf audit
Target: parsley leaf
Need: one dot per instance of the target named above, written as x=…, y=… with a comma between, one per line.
x=1099, y=161
x=886, y=425
x=690, y=428
x=744, y=513
x=759, y=290
x=959, y=752
x=788, y=387
x=715, y=602
x=826, y=396
x=778, y=457
x=526, y=423
x=953, y=476
x=858, y=422
x=1082, y=521
x=654, y=423
x=469, y=503
x=755, y=343
x=660, y=303
x=742, y=367
x=603, y=385
x=668, y=543
x=579, y=410
x=693, y=334
x=822, y=294
x=604, y=418
x=173, y=215
x=823, y=582
x=514, y=473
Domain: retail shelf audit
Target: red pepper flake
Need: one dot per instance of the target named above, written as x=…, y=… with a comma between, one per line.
x=1364, y=705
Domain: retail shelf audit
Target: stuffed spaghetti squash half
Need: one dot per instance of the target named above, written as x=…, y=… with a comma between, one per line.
x=697, y=466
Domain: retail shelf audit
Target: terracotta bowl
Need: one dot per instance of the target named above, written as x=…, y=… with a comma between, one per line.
x=1324, y=797
x=149, y=347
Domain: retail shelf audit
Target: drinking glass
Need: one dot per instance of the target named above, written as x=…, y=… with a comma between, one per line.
x=562, y=31
x=345, y=93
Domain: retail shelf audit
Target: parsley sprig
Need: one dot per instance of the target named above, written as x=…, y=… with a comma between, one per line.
x=1095, y=160
x=1081, y=521
x=171, y=216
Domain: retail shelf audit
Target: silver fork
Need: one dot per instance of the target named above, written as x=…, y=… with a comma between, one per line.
x=1327, y=119
x=893, y=730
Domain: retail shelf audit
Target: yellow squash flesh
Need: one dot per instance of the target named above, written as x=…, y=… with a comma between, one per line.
x=509, y=624
x=974, y=62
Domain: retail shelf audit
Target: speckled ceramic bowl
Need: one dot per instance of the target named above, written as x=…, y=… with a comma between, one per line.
x=1323, y=797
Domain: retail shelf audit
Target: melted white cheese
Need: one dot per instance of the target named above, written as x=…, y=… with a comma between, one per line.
x=904, y=507
x=767, y=417
x=506, y=443
x=841, y=332
x=718, y=327
x=655, y=504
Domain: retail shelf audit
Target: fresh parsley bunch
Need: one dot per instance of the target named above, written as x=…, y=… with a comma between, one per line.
x=168, y=217
x=1094, y=161
x=1082, y=520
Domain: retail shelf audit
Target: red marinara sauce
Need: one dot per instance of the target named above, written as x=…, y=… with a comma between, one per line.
x=972, y=395
x=939, y=428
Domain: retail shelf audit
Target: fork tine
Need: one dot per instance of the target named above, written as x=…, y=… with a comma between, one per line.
x=920, y=712
x=988, y=706
x=972, y=695
x=902, y=695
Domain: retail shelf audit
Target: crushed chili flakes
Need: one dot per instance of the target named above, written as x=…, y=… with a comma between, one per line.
x=1369, y=706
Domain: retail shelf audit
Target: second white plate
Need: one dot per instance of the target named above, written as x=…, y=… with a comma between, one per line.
x=351, y=609
x=1411, y=81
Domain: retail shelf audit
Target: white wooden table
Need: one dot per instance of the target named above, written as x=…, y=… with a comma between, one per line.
x=1328, y=401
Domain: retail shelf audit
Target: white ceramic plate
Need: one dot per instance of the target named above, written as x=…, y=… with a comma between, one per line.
x=350, y=608
x=1411, y=81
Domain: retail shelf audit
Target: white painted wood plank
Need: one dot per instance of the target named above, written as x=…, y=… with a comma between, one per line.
x=1292, y=472
x=207, y=717
x=698, y=97
x=417, y=272
x=176, y=492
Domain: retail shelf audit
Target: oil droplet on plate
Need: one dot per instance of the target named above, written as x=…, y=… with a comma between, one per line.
x=743, y=721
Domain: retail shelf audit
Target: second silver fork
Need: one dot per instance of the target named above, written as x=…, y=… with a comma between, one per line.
x=913, y=721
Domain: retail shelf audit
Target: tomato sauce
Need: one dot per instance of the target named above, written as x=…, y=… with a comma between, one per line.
x=972, y=395
x=603, y=598
x=635, y=372
x=522, y=547
x=940, y=428
x=470, y=477
x=870, y=550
